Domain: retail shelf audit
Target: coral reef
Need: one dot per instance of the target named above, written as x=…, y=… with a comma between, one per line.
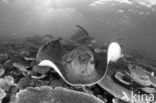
x=58, y=95
x=126, y=78
x=22, y=80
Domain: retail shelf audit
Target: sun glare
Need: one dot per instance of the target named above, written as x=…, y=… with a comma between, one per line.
x=49, y=7
x=45, y=4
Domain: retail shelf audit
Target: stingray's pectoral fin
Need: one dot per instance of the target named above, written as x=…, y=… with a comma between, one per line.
x=51, y=64
x=114, y=52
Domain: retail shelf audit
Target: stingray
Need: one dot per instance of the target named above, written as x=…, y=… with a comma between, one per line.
x=82, y=36
x=77, y=64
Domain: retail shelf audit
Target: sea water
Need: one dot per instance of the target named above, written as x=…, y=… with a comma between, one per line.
x=132, y=24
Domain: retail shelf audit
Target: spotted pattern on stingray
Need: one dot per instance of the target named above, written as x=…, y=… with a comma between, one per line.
x=80, y=64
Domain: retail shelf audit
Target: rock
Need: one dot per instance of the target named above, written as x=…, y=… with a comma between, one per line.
x=100, y=97
x=38, y=77
x=2, y=94
x=119, y=76
x=97, y=91
x=8, y=64
x=24, y=82
x=117, y=100
x=39, y=83
x=25, y=73
x=24, y=53
x=2, y=70
x=97, y=50
x=3, y=57
x=32, y=64
x=41, y=69
x=4, y=85
x=1, y=65
x=30, y=73
x=9, y=79
x=14, y=90
x=105, y=100
x=47, y=38
x=139, y=76
x=29, y=58
x=87, y=90
x=21, y=66
x=153, y=80
x=29, y=55
x=57, y=83
x=148, y=90
x=142, y=80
